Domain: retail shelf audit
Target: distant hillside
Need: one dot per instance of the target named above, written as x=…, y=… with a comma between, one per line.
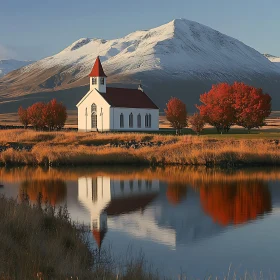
x=181, y=58
x=9, y=65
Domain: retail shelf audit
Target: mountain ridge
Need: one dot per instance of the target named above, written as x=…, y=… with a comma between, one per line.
x=176, y=55
x=9, y=65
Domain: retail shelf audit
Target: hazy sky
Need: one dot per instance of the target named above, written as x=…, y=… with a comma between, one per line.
x=33, y=29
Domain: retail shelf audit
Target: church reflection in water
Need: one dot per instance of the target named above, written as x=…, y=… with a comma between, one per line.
x=105, y=198
x=170, y=213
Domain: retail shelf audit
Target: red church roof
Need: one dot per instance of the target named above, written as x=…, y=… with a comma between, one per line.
x=97, y=70
x=128, y=98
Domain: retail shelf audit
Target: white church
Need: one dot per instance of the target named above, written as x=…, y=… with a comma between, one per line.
x=115, y=109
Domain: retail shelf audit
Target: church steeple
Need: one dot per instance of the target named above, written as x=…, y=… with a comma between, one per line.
x=97, y=77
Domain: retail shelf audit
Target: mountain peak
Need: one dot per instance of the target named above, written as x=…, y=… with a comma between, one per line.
x=181, y=50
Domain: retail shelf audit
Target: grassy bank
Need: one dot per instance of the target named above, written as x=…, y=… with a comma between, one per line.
x=41, y=243
x=20, y=147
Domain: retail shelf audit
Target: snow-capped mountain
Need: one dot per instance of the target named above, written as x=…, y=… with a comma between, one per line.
x=8, y=65
x=181, y=58
x=274, y=59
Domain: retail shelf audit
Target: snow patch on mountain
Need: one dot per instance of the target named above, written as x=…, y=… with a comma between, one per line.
x=274, y=59
x=8, y=65
x=179, y=49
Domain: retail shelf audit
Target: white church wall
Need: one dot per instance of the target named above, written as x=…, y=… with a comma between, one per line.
x=115, y=119
x=103, y=113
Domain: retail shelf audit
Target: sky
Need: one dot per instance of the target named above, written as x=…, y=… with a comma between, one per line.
x=34, y=29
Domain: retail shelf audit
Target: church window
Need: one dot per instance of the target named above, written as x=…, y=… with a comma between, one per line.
x=94, y=81
x=139, y=121
x=121, y=121
x=102, y=81
x=150, y=121
x=146, y=120
x=130, y=120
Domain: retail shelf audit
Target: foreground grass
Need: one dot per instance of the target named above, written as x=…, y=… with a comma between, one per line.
x=26, y=147
x=40, y=243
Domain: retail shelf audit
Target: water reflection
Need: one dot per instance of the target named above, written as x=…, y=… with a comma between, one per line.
x=104, y=197
x=184, y=215
x=176, y=192
x=235, y=203
x=52, y=191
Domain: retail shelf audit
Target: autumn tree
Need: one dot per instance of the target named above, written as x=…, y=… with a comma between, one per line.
x=197, y=123
x=176, y=114
x=54, y=115
x=35, y=115
x=251, y=106
x=23, y=116
x=217, y=107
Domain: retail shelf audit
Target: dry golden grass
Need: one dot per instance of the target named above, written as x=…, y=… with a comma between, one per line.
x=73, y=148
x=37, y=242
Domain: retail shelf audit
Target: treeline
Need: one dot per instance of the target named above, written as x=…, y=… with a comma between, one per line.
x=223, y=106
x=42, y=116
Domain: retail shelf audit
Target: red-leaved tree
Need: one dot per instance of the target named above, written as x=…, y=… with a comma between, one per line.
x=35, y=115
x=54, y=115
x=176, y=114
x=23, y=116
x=197, y=123
x=217, y=107
x=251, y=106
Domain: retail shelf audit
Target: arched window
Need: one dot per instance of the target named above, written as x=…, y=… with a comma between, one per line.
x=93, y=116
x=139, y=121
x=130, y=121
x=121, y=120
x=93, y=80
x=150, y=120
x=146, y=120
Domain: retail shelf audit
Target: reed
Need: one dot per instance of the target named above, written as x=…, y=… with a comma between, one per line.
x=72, y=148
x=41, y=242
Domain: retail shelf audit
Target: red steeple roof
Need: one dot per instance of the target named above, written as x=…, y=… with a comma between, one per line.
x=97, y=70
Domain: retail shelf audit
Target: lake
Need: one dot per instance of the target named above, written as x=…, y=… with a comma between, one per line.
x=194, y=221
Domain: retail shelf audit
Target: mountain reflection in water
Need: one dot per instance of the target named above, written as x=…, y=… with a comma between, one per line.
x=172, y=207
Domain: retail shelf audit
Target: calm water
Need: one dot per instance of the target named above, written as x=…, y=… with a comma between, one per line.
x=192, y=221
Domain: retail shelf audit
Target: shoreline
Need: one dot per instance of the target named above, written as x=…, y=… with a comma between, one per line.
x=32, y=148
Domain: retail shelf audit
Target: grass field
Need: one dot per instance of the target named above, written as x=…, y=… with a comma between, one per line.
x=28, y=147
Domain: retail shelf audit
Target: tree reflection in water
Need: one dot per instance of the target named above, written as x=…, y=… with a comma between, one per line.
x=176, y=193
x=52, y=191
x=235, y=202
